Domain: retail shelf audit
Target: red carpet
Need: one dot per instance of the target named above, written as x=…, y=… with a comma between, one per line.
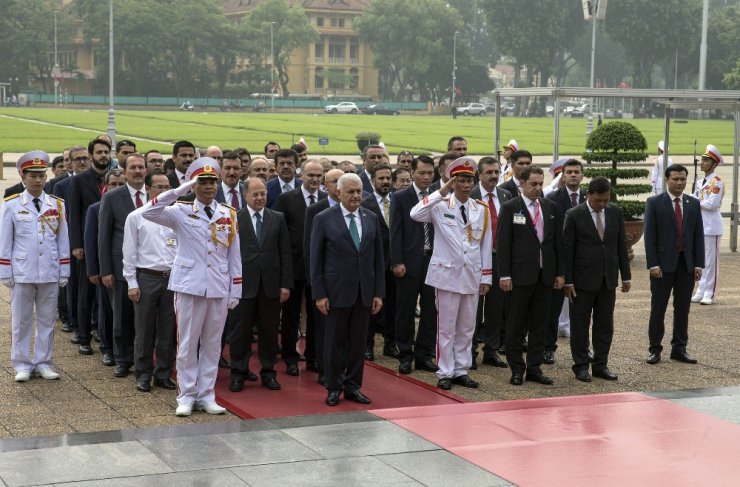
x=602, y=440
x=302, y=395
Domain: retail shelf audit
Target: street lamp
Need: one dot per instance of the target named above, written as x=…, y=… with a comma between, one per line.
x=272, y=69
x=598, y=11
x=111, y=109
x=55, y=71
x=454, y=69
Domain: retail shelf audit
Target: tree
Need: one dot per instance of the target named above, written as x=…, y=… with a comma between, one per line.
x=732, y=78
x=723, y=44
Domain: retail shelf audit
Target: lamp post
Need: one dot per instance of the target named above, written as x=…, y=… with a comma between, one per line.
x=454, y=70
x=55, y=71
x=111, y=109
x=272, y=69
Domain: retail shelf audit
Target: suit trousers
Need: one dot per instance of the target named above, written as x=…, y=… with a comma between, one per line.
x=409, y=289
x=105, y=319
x=200, y=320
x=123, y=323
x=529, y=307
x=552, y=320
x=344, y=346
x=311, y=333
x=291, y=318
x=25, y=299
x=86, y=302
x=708, y=282
x=455, y=329
x=154, y=324
x=601, y=304
x=62, y=307
x=681, y=283
x=385, y=321
x=71, y=293
x=491, y=316
x=265, y=312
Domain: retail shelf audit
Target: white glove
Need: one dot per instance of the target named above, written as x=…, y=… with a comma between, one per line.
x=233, y=303
x=185, y=187
x=63, y=281
x=9, y=283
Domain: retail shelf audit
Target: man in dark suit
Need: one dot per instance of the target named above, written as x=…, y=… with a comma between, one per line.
x=411, y=249
x=565, y=198
x=444, y=161
x=293, y=206
x=595, y=249
x=674, y=248
x=379, y=202
x=530, y=264
x=348, y=281
x=492, y=308
x=286, y=162
x=231, y=191
x=521, y=160
x=268, y=277
x=372, y=155
x=84, y=190
x=183, y=154
x=15, y=189
x=114, y=209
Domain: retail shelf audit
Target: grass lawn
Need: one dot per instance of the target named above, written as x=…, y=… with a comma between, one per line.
x=419, y=134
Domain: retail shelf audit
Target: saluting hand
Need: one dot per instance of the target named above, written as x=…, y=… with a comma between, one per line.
x=446, y=187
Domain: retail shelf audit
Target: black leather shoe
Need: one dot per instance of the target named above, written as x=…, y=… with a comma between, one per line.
x=67, y=327
x=540, y=378
x=96, y=337
x=85, y=350
x=357, y=396
x=549, y=357
x=426, y=364
x=301, y=357
x=332, y=399
x=167, y=383
x=312, y=366
x=590, y=356
x=143, y=384
x=404, y=368
x=250, y=376
x=370, y=354
x=465, y=381
x=605, y=374
x=108, y=360
x=236, y=384
x=653, y=358
x=517, y=379
x=74, y=338
x=121, y=370
x=444, y=384
x=322, y=379
x=390, y=351
x=223, y=363
x=495, y=360
x=292, y=370
x=683, y=357
x=583, y=376
x=271, y=383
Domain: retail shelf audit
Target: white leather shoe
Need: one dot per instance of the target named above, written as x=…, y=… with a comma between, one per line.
x=696, y=298
x=706, y=300
x=184, y=410
x=23, y=376
x=46, y=373
x=210, y=407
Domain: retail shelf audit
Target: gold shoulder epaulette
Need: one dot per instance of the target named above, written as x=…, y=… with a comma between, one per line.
x=184, y=202
x=482, y=203
x=56, y=197
x=12, y=196
x=227, y=206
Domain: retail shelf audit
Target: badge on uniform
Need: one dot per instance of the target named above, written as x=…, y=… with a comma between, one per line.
x=23, y=212
x=194, y=216
x=170, y=242
x=447, y=215
x=519, y=219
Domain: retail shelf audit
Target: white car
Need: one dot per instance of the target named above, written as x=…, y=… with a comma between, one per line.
x=472, y=109
x=343, y=107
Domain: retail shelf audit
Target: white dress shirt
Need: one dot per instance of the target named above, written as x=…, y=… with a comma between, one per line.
x=307, y=195
x=180, y=176
x=253, y=219
x=227, y=194
x=146, y=245
x=380, y=199
x=358, y=220
x=132, y=191
x=290, y=183
x=484, y=197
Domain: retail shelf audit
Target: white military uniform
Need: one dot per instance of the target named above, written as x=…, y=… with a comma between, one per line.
x=710, y=190
x=206, y=276
x=657, y=174
x=460, y=263
x=34, y=253
x=507, y=171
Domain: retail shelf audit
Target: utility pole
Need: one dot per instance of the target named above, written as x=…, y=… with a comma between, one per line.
x=111, y=108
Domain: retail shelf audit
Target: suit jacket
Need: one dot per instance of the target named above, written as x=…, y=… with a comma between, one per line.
x=503, y=197
x=407, y=235
x=561, y=197
x=174, y=180
x=275, y=189
x=311, y=213
x=221, y=198
x=661, y=233
x=61, y=189
x=49, y=186
x=15, y=189
x=339, y=271
x=589, y=261
x=367, y=185
x=92, y=262
x=267, y=261
x=293, y=207
x=518, y=247
x=372, y=204
x=114, y=208
x=511, y=187
x=83, y=192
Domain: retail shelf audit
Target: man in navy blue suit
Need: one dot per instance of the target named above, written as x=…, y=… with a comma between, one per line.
x=674, y=248
x=348, y=283
x=372, y=155
x=286, y=162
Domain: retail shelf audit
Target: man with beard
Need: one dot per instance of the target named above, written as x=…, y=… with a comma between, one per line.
x=521, y=159
x=286, y=162
x=371, y=156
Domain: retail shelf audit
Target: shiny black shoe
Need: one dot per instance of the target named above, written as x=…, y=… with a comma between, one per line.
x=390, y=351
x=236, y=384
x=548, y=357
x=540, y=378
x=271, y=383
x=517, y=379
x=332, y=399
x=465, y=381
x=357, y=396
x=292, y=369
x=605, y=374
x=426, y=364
x=683, y=357
x=143, y=384
x=67, y=327
x=85, y=350
x=250, y=376
x=495, y=360
x=167, y=383
x=444, y=384
x=108, y=360
x=653, y=358
x=74, y=338
x=370, y=354
x=404, y=368
x=121, y=371
x=583, y=376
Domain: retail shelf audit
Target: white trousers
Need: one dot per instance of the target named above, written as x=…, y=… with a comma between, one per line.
x=25, y=299
x=564, y=319
x=455, y=328
x=708, y=283
x=200, y=320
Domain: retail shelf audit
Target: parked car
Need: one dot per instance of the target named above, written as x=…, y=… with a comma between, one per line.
x=611, y=113
x=375, y=109
x=343, y=107
x=472, y=109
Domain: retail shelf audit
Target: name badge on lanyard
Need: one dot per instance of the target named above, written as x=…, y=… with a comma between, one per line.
x=519, y=219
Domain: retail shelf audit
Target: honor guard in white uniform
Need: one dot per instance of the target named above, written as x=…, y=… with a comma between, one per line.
x=459, y=269
x=710, y=190
x=34, y=263
x=556, y=171
x=659, y=168
x=507, y=171
x=206, y=278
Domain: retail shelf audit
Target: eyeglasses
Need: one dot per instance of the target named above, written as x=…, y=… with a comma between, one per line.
x=80, y=159
x=162, y=186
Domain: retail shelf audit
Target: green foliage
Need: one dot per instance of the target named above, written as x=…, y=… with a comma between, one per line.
x=732, y=78
x=723, y=57
x=591, y=172
x=373, y=137
x=632, y=210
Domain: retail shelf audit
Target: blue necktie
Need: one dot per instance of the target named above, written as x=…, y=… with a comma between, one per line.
x=354, y=233
x=258, y=226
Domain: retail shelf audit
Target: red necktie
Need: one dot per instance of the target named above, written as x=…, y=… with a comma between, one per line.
x=494, y=218
x=573, y=199
x=679, y=222
x=139, y=204
x=234, y=199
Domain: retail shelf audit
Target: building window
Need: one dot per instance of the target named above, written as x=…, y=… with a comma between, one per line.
x=354, y=80
x=318, y=79
x=319, y=51
x=336, y=50
x=354, y=51
x=320, y=21
x=337, y=21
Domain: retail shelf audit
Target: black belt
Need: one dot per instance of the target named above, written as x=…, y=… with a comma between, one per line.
x=152, y=272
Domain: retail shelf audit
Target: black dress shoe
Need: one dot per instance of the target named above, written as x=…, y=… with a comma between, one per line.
x=495, y=360
x=96, y=337
x=583, y=376
x=465, y=381
x=540, y=378
x=108, y=360
x=683, y=357
x=357, y=396
x=271, y=383
x=549, y=357
x=370, y=354
x=74, y=338
x=167, y=383
x=332, y=399
x=85, y=350
x=605, y=374
x=67, y=327
x=223, y=363
x=322, y=379
x=236, y=384
x=517, y=379
x=390, y=351
x=121, y=370
x=426, y=364
x=312, y=365
x=301, y=357
x=444, y=384
x=653, y=358
x=292, y=370
x=250, y=376
x=143, y=384
x=404, y=368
